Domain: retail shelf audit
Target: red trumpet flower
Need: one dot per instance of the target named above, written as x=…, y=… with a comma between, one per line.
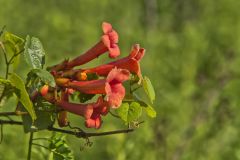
x=130, y=63
x=95, y=120
x=111, y=86
x=108, y=42
x=84, y=110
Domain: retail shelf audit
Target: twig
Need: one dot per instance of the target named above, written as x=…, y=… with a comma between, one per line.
x=75, y=128
x=79, y=134
x=86, y=135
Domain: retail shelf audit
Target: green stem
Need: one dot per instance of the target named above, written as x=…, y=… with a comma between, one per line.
x=30, y=146
x=78, y=134
x=39, y=145
x=15, y=55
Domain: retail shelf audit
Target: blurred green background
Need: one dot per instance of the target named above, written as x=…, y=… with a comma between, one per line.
x=192, y=58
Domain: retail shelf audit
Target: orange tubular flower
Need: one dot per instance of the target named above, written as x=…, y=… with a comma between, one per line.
x=111, y=86
x=108, y=42
x=130, y=63
x=84, y=110
x=95, y=120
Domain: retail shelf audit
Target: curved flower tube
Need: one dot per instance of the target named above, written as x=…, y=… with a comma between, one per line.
x=111, y=86
x=95, y=120
x=108, y=43
x=84, y=110
x=130, y=63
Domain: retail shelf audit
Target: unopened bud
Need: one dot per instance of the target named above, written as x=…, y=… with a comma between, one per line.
x=82, y=76
x=61, y=81
x=44, y=90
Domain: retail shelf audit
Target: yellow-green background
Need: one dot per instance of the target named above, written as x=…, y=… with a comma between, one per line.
x=192, y=57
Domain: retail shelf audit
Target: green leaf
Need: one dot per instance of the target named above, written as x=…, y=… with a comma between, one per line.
x=59, y=147
x=45, y=116
x=23, y=97
x=43, y=75
x=13, y=46
x=145, y=104
x=6, y=89
x=134, y=112
x=92, y=76
x=34, y=52
x=150, y=111
x=43, y=121
x=122, y=111
x=148, y=88
x=81, y=97
x=129, y=113
x=85, y=97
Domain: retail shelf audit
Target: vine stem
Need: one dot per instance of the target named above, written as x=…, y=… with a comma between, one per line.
x=79, y=134
x=30, y=146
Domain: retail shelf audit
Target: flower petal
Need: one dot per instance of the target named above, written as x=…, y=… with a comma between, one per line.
x=106, y=27
x=113, y=36
x=114, y=89
x=115, y=94
x=114, y=51
x=118, y=75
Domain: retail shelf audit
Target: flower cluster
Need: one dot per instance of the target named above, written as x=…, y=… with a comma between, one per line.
x=108, y=84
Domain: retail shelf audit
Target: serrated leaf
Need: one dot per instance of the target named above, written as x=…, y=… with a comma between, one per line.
x=150, y=111
x=43, y=76
x=148, y=88
x=13, y=46
x=34, y=52
x=59, y=147
x=23, y=97
x=129, y=113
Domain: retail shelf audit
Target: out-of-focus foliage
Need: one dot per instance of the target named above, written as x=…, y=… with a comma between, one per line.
x=192, y=58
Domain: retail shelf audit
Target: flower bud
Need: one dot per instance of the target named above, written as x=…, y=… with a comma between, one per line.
x=44, y=90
